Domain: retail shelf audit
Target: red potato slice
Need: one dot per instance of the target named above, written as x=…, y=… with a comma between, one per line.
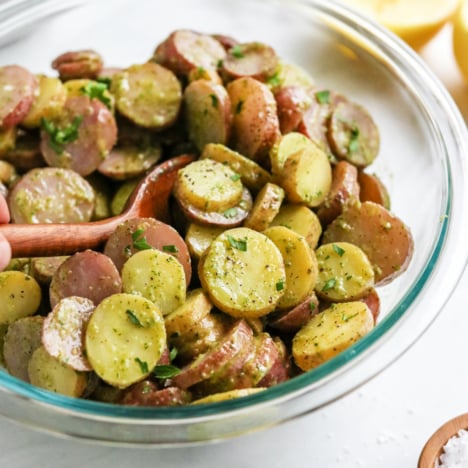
x=51, y=195
x=372, y=189
x=124, y=242
x=384, y=238
x=226, y=41
x=158, y=106
x=353, y=134
x=292, y=102
x=253, y=59
x=146, y=393
x=63, y=331
x=208, y=113
x=280, y=370
x=95, y=133
x=21, y=340
x=290, y=321
x=127, y=162
x=78, y=64
x=87, y=274
x=372, y=300
x=255, y=125
x=7, y=140
x=344, y=188
x=185, y=50
x=214, y=360
x=17, y=88
x=26, y=153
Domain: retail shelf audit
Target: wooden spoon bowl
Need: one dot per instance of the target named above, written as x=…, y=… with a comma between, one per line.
x=149, y=199
x=433, y=448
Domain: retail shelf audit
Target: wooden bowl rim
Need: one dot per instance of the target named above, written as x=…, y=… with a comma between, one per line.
x=433, y=447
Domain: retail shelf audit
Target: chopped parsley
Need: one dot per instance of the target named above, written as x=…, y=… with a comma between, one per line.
x=170, y=248
x=139, y=241
x=330, y=284
x=133, y=318
x=323, y=97
x=143, y=365
x=214, y=100
x=312, y=306
x=353, y=144
x=237, y=52
x=345, y=317
x=97, y=90
x=59, y=137
x=165, y=371
x=239, y=244
x=230, y=213
x=235, y=177
x=173, y=353
x=280, y=285
x=338, y=250
x=104, y=80
x=274, y=80
x=238, y=108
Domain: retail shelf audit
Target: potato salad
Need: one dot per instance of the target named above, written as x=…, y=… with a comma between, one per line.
x=278, y=237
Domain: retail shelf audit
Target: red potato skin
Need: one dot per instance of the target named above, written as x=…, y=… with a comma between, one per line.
x=372, y=189
x=255, y=125
x=78, y=64
x=292, y=102
x=372, y=300
x=119, y=247
x=26, y=154
x=290, y=321
x=344, y=188
x=147, y=393
x=97, y=134
x=87, y=274
x=17, y=91
x=185, y=50
x=383, y=237
x=206, y=365
x=227, y=42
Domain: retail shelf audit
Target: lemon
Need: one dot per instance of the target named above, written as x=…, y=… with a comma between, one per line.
x=415, y=21
x=460, y=38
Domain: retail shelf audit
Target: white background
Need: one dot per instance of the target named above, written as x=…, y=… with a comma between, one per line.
x=384, y=424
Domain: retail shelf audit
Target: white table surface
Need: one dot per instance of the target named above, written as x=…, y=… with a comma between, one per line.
x=384, y=424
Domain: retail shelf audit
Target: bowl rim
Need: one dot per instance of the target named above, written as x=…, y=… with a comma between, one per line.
x=432, y=96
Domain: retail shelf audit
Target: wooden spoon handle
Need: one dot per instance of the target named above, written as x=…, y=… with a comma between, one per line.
x=40, y=240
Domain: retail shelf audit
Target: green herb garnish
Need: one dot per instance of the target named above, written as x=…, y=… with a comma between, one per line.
x=59, y=137
x=237, y=52
x=173, y=353
x=139, y=241
x=323, y=97
x=312, y=306
x=338, y=250
x=97, y=90
x=133, y=318
x=143, y=365
x=214, y=100
x=170, y=248
x=345, y=318
x=104, y=80
x=330, y=284
x=165, y=371
x=274, y=80
x=230, y=213
x=353, y=144
x=238, y=108
x=239, y=244
x=235, y=177
x=280, y=285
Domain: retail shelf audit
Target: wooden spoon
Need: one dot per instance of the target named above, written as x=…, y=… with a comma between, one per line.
x=149, y=199
x=433, y=448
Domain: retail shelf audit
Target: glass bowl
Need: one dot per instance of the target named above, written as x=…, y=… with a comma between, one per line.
x=423, y=147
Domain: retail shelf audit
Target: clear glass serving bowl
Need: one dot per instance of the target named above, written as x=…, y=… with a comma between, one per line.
x=424, y=144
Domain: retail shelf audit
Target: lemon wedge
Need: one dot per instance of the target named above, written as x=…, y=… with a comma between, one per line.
x=460, y=38
x=415, y=21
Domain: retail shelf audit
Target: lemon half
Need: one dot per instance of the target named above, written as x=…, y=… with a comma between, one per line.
x=415, y=21
x=460, y=38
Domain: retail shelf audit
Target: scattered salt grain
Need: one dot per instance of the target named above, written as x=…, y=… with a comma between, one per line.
x=455, y=452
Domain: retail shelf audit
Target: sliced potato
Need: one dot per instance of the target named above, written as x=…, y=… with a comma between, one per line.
x=265, y=207
x=186, y=317
x=241, y=272
x=253, y=176
x=384, y=238
x=293, y=75
x=7, y=140
x=208, y=185
x=48, y=372
x=50, y=98
x=230, y=395
x=63, y=331
x=125, y=338
x=330, y=332
x=157, y=276
x=373, y=189
x=23, y=337
x=121, y=196
x=300, y=265
x=43, y=268
x=20, y=296
x=345, y=272
x=306, y=176
x=300, y=219
x=91, y=88
x=284, y=147
x=199, y=238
